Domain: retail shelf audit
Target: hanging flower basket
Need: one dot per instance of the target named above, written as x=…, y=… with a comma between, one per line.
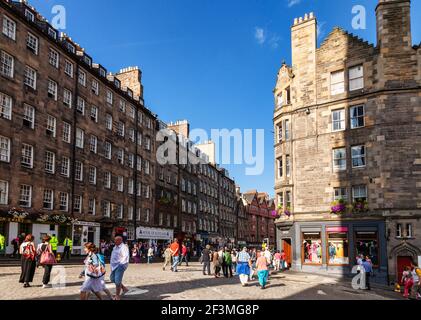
x=287, y=212
x=18, y=213
x=338, y=207
x=360, y=206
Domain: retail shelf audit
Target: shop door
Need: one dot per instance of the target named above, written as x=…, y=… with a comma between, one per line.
x=286, y=245
x=91, y=234
x=402, y=262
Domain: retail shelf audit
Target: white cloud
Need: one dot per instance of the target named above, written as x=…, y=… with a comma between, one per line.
x=260, y=35
x=292, y=3
x=320, y=29
x=274, y=41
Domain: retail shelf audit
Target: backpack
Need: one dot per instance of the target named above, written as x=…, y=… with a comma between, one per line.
x=29, y=252
x=95, y=268
x=101, y=258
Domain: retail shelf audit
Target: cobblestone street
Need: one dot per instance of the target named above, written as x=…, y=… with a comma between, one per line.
x=150, y=282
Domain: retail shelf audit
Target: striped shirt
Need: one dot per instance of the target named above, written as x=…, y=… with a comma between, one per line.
x=243, y=256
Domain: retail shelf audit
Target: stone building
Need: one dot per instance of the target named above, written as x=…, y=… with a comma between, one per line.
x=347, y=147
x=227, y=214
x=76, y=142
x=242, y=224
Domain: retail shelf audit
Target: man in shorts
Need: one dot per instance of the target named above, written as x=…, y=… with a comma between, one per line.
x=119, y=263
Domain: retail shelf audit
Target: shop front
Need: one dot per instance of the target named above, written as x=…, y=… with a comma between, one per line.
x=84, y=232
x=154, y=236
x=332, y=247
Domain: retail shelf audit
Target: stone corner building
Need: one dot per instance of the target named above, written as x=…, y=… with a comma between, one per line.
x=348, y=128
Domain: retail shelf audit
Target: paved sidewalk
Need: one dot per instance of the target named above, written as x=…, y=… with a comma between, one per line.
x=151, y=282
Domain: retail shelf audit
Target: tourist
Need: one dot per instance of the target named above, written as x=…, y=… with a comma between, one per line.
x=243, y=266
x=119, y=264
x=234, y=261
x=136, y=254
x=184, y=255
x=28, y=263
x=368, y=269
x=15, y=244
x=277, y=260
x=227, y=265
x=284, y=263
x=175, y=254
x=262, y=269
x=216, y=264
x=416, y=275
x=150, y=254
x=93, y=273
x=407, y=281
x=253, y=263
x=167, y=257
x=206, y=260
x=44, y=249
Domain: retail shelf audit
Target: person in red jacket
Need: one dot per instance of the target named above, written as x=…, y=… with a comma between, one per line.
x=184, y=255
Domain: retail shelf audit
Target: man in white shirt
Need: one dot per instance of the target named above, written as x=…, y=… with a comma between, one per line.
x=150, y=254
x=119, y=263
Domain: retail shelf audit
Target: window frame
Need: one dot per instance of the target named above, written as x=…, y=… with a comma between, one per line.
x=362, y=156
x=6, y=57
x=340, y=120
x=11, y=34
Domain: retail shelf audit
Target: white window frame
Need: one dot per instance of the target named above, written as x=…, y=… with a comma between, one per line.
x=354, y=116
x=30, y=78
x=93, y=144
x=94, y=113
x=337, y=82
x=48, y=197
x=6, y=106
x=52, y=89
x=80, y=137
x=51, y=125
x=7, y=67
x=120, y=183
x=341, y=121
x=92, y=206
x=25, y=195
x=64, y=201
x=78, y=203
x=29, y=115
x=107, y=180
x=109, y=121
x=4, y=192
x=27, y=156
x=357, y=195
x=54, y=58
x=122, y=105
x=95, y=86
x=340, y=193
x=65, y=167
x=67, y=98
x=109, y=97
x=67, y=131
x=106, y=208
x=335, y=159
x=80, y=106
x=32, y=43
x=82, y=78
x=120, y=156
x=9, y=27
x=356, y=77
x=108, y=150
x=362, y=155
x=50, y=162
x=78, y=170
x=92, y=175
x=68, y=68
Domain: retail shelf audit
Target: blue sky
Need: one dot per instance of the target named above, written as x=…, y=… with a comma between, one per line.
x=213, y=62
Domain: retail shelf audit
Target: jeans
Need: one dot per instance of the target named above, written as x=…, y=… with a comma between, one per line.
x=117, y=275
x=226, y=268
x=175, y=263
x=206, y=265
x=184, y=258
x=150, y=259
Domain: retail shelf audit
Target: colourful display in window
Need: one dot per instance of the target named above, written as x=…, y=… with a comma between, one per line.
x=312, y=248
x=338, y=246
x=366, y=244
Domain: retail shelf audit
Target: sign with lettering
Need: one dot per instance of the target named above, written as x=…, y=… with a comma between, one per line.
x=154, y=233
x=86, y=223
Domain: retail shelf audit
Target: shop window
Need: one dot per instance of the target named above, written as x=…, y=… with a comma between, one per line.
x=63, y=232
x=366, y=243
x=338, y=246
x=77, y=236
x=312, y=248
x=25, y=228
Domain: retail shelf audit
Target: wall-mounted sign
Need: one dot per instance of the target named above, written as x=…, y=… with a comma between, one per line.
x=154, y=233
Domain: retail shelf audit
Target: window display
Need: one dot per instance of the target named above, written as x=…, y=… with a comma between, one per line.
x=366, y=243
x=338, y=246
x=312, y=248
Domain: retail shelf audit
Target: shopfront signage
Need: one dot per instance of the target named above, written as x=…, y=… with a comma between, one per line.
x=154, y=234
x=337, y=229
x=86, y=223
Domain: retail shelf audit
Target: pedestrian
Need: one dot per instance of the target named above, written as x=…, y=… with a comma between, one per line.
x=268, y=257
x=416, y=275
x=175, y=254
x=28, y=263
x=119, y=263
x=283, y=263
x=368, y=269
x=243, y=266
x=46, y=259
x=253, y=263
x=15, y=244
x=407, y=281
x=2, y=243
x=54, y=244
x=150, y=254
x=184, y=255
x=262, y=269
x=167, y=257
x=234, y=260
x=206, y=260
x=216, y=264
x=227, y=266
x=277, y=260
x=94, y=272
x=136, y=254
x=68, y=245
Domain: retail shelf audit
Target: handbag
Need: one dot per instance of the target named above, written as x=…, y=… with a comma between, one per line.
x=47, y=257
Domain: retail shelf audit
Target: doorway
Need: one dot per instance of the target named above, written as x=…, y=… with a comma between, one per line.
x=402, y=262
x=287, y=247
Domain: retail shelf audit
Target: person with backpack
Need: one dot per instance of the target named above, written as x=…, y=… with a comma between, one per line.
x=94, y=273
x=416, y=274
x=46, y=259
x=227, y=265
x=28, y=263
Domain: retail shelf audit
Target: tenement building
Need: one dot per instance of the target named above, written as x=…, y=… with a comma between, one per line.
x=76, y=142
x=347, y=152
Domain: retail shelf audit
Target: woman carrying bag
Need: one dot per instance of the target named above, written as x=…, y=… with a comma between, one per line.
x=46, y=259
x=28, y=263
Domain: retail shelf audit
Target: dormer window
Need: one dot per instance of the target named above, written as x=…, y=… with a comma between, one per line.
x=102, y=72
x=87, y=60
x=71, y=47
x=130, y=93
x=29, y=15
x=52, y=33
x=117, y=83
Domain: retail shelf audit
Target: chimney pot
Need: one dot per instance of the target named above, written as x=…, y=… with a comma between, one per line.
x=300, y=19
x=306, y=17
x=296, y=21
